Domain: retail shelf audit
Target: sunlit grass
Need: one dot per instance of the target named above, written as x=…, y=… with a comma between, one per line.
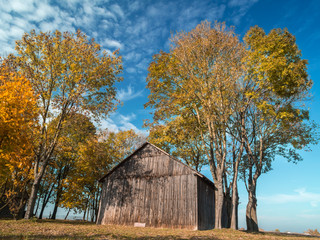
x=59, y=229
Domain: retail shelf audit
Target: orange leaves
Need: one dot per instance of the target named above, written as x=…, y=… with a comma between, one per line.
x=18, y=123
x=18, y=109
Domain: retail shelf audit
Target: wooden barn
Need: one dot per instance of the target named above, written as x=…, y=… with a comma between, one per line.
x=153, y=189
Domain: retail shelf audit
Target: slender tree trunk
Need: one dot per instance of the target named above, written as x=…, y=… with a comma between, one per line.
x=251, y=211
x=38, y=203
x=45, y=201
x=227, y=205
x=85, y=211
x=55, y=209
x=92, y=212
x=65, y=218
x=44, y=204
x=97, y=204
x=40, y=167
x=56, y=203
x=235, y=195
x=234, y=205
x=32, y=198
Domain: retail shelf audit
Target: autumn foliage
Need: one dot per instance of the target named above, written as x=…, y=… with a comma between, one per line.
x=18, y=126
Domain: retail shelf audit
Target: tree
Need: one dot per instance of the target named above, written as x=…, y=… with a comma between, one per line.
x=276, y=121
x=70, y=74
x=77, y=129
x=197, y=78
x=97, y=156
x=179, y=138
x=18, y=119
x=245, y=98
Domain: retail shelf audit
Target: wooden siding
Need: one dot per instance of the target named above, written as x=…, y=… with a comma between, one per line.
x=206, y=205
x=153, y=188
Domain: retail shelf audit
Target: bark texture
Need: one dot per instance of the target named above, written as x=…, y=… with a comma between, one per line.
x=251, y=211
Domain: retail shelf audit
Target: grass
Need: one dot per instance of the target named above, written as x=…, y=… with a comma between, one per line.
x=59, y=229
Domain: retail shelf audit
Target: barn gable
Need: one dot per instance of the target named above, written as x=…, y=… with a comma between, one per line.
x=149, y=160
x=153, y=188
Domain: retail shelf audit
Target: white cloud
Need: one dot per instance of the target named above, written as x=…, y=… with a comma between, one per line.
x=19, y=16
x=127, y=118
x=118, y=122
x=300, y=196
x=19, y=5
x=110, y=125
x=117, y=9
x=128, y=94
x=112, y=43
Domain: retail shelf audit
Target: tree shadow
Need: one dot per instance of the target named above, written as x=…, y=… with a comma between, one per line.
x=105, y=236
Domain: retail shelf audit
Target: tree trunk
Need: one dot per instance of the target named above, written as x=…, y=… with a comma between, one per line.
x=56, y=203
x=45, y=201
x=32, y=198
x=44, y=204
x=236, y=162
x=40, y=167
x=251, y=211
x=38, y=203
x=65, y=218
x=219, y=198
x=234, y=206
x=235, y=195
x=84, y=214
x=227, y=207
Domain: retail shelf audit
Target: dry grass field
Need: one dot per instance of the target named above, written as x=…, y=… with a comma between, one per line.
x=58, y=229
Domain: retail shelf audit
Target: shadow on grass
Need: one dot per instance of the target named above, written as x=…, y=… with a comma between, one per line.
x=102, y=236
x=60, y=221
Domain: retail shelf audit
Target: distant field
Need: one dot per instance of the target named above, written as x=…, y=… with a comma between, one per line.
x=58, y=229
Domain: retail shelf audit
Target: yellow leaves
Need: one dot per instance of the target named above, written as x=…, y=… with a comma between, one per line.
x=274, y=62
x=66, y=67
x=18, y=123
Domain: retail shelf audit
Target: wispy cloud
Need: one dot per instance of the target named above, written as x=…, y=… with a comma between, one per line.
x=117, y=9
x=240, y=8
x=299, y=196
x=119, y=122
x=128, y=94
x=19, y=16
x=112, y=43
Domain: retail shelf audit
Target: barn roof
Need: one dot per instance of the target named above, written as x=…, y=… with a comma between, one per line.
x=164, y=152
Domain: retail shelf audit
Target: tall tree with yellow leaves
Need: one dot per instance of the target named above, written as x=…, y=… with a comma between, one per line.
x=276, y=120
x=70, y=74
x=195, y=79
x=18, y=122
x=246, y=99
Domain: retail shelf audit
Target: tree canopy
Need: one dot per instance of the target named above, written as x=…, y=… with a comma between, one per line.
x=70, y=74
x=243, y=101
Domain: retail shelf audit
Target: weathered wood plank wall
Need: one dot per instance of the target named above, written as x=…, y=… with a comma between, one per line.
x=153, y=188
x=206, y=205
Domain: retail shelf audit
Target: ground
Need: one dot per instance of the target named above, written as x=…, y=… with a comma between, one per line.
x=59, y=229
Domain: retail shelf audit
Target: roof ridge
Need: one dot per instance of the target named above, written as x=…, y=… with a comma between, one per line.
x=161, y=150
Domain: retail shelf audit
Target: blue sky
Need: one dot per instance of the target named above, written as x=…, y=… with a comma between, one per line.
x=289, y=195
